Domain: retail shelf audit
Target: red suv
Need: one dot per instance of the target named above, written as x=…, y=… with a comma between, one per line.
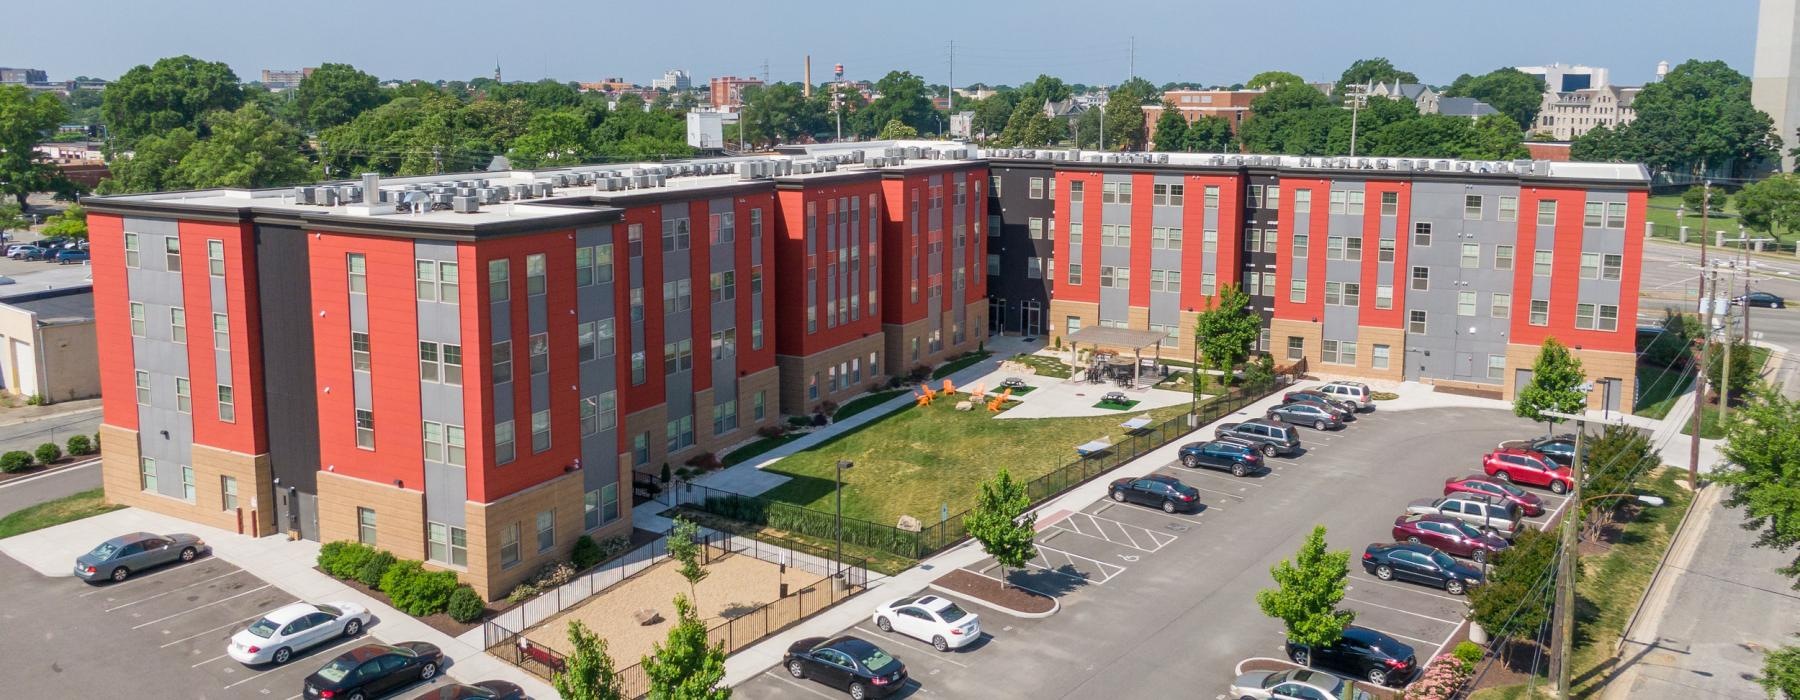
x=1522, y=466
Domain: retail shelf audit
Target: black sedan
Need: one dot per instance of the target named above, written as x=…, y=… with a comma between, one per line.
x=1763, y=299
x=485, y=690
x=374, y=670
x=1165, y=492
x=1362, y=652
x=1319, y=417
x=1236, y=457
x=1559, y=448
x=1420, y=563
x=847, y=663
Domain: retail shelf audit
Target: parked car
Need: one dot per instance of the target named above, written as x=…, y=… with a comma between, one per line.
x=1420, y=563
x=1559, y=448
x=66, y=257
x=374, y=670
x=1295, y=683
x=1763, y=299
x=1449, y=535
x=1347, y=408
x=1474, y=509
x=484, y=690
x=15, y=248
x=1165, y=492
x=120, y=557
x=1270, y=437
x=930, y=618
x=1528, y=502
x=1356, y=392
x=24, y=252
x=848, y=663
x=1239, y=458
x=277, y=635
x=1362, y=652
x=1521, y=466
x=1319, y=417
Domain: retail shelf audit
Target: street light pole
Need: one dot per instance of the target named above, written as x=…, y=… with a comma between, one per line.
x=839, y=564
x=1705, y=338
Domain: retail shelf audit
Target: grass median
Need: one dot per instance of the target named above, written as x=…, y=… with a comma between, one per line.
x=62, y=510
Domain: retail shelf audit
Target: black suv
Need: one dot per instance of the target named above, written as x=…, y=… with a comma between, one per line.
x=1559, y=448
x=1270, y=438
x=1239, y=458
x=1362, y=652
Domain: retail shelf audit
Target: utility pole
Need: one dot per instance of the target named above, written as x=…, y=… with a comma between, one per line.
x=1705, y=338
x=1725, y=371
x=950, y=84
x=1565, y=563
x=1355, y=96
x=765, y=71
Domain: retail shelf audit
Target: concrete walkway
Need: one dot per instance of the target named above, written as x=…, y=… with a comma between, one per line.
x=286, y=564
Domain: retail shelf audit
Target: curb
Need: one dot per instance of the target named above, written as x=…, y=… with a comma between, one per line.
x=1055, y=605
x=53, y=416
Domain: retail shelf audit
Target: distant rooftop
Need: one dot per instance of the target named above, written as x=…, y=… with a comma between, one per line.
x=1623, y=173
x=66, y=305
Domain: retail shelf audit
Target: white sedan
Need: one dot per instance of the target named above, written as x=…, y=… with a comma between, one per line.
x=278, y=635
x=930, y=618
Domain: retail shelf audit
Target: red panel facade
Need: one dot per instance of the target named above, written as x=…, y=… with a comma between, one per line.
x=112, y=320
x=1367, y=313
x=1318, y=224
x=1089, y=289
x=827, y=197
x=394, y=359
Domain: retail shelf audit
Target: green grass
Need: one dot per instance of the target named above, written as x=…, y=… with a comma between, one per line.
x=1662, y=388
x=877, y=560
x=755, y=449
x=66, y=509
x=1710, y=427
x=919, y=458
x=864, y=403
x=1113, y=406
x=951, y=367
x=1661, y=211
x=1045, y=366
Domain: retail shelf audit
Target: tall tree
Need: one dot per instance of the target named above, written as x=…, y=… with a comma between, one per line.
x=685, y=667
x=1271, y=79
x=1513, y=92
x=1086, y=128
x=1225, y=330
x=334, y=94
x=1762, y=447
x=1556, y=379
x=1307, y=592
x=26, y=119
x=993, y=112
x=12, y=218
x=1043, y=89
x=554, y=137
x=1374, y=70
x=1516, y=597
x=1029, y=128
x=1125, y=124
x=895, y=131
x=1171, y=128
x=903, y=96
x=684, y=548
x=151, y=167
x=1765, y=204
x=1210, y=134
x=780, y=113
x=1698, y=116
x=1000, y=521
x=71, y=222
x=173, y=93
x=248, y=148
x=1743, y=373
x=587, y=672
x=1495, y=137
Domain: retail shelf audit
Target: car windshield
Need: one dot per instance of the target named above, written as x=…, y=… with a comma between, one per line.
x=329, y=610
x=952, y=613
x=262, y=628
x=338, y=668
x=1442, y=560
x=877, y=661
x=1466, y=529
x=104, y=551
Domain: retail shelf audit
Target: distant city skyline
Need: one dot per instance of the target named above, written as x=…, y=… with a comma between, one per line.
x=1204, y=42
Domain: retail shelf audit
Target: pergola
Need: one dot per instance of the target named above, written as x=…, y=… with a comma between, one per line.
x=1136, y=340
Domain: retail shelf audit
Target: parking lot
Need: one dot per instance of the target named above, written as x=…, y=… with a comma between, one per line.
x=1162, y=605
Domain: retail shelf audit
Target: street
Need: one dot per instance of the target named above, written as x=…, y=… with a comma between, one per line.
x=49, y=486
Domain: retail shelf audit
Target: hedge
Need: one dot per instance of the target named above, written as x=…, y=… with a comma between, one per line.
x=344, y=559
x=408, y=585
x=48, y=453
x=15, y=461
x=466, y=605
x=80, y=445
x=805, y=521
x=373, y=567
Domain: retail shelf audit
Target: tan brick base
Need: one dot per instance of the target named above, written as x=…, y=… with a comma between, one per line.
x=1312, y=334
x=256, y=497
x=796, y=372
x=655, y=421
x=489, y=522
x=1060, y=311
x=897, y=358
x=399, y=513
x=1598, y=364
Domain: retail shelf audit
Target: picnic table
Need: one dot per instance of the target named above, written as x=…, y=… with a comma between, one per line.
x=1013, y=382
x=1136, y=424
x=1092, y=447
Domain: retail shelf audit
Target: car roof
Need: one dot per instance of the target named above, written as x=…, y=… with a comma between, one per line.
x=1355, y=385
x=1314, y=678
x=1261, y=422
x=855, y=646
x=1523, y=451
x=1372, y=637
x=1231, y=442
x=368, y=651
x=289, y=613
x=129, y=538
x=1165, y=478
x=1467, y=496
x=934, y=603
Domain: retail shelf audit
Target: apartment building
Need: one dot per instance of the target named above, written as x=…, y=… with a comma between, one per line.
x=469, y=369
x=1232, y=105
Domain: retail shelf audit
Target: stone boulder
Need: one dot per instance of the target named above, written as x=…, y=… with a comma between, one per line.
x=647, y=617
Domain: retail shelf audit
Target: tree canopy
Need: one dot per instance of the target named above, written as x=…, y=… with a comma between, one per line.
x=1514, y=93
x=26, y=119
x=685, y=666
x=1307, y=592
x=173, y=93
x=1002, y=523
x=1125, y=124
x=1374, y=70
x=248, y=147
x=903, y=98
x=1765, y=204
x=1556, y=378
x=1273, y=78
x=1697, y=117
x=1226, y=329
x=587, y=672
x=334, y=94
x=1762, y=444
x=1171, y=128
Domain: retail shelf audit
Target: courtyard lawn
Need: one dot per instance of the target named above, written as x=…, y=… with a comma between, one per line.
x=1045, y=366
x=920, y=459
x=1662, y=387
x=864, y=403
x=953, y=366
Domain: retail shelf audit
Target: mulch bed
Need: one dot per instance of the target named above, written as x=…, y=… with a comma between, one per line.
x=440, y=622
x=35, y=469
x=990, y=591
x=1378, y=692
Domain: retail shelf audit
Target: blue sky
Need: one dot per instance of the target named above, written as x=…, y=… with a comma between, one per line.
x=1206, y=41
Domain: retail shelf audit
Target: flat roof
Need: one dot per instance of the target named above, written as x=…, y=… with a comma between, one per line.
x=69, y=304
x=1624, y=174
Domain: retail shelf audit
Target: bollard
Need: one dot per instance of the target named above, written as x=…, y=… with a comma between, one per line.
x=240, y=520
x=1684, y=234
x=1758, y=243
x=1649, y=229
x=1719, y=239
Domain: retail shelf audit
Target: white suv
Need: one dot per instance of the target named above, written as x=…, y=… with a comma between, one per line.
x=1356, y=392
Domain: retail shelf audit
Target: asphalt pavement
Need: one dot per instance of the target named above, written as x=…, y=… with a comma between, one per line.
x=38, y=488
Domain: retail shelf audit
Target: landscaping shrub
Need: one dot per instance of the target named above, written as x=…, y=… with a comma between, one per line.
x=96, y=441
x=1469, y=653
x=35, y=400
x=344, y=559
x=1442, y=677
x=466, y=605
x=771, y=431
x=827, y=407
x=704, y=461
x=48, y=453
x=80, y=445
x=799, y=421
x=521, y=593
x=374, y=567
x=586, y=553
x=424, y=592
x=15, y=461
x=399, y=575
x=1383, y=395
x=665, y=472
x=552, y=575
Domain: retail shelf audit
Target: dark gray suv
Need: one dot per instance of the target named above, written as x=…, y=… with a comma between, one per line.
x=1269, y=438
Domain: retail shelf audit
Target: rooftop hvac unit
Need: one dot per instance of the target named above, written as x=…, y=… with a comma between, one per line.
x=464, y=192
x=877, y=162
x=1462, y=166
x=349, y=193
x=1381, y=164
x=910, y=152
x=1162, y=158
x=305, y=195
x=604, y=184
x=464, y=205
x=441, y=200
x=746, y=174
x=519, y=191
x=658, y=180
x=328, y=197
x=488, y=195
x=856, y=156
x=640, y=181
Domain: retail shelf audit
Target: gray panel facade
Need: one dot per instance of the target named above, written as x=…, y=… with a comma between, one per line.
x=1457, y=347
x=446, y=486
x=595, y=302
x=165, y=433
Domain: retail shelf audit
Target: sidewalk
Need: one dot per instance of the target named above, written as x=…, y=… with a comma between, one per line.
x=286, y=564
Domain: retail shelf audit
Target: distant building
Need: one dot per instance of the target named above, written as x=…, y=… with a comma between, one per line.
x=71, y=152
x=1775, y=77
x=706, y=130
x=278, y=80
x=23, y=76
x=1232, y=105
x=1057, y=109
x=727, y=91
x=962, y=124
x=1431, y=101
x=1411, y=92
x=1555, y=151
x=675, y=80
x=1563, y=78
x=47, y=345
x=1566, y=115
x=1461, y=107
x=614, y=84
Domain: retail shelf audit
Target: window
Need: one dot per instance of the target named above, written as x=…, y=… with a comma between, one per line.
x=365, y=429
x=546, y=530
x=1540, y=312
x=440, y=363
x=1384, y=296
x=1546, y=212
x=676, y=235
x=1471, y=256
x=725, y=417
x=131, y=250
x=1610, y=265
x=1415, y=322
x=1503, y=257
x=756, y=334
x=539, y=348
x=634, y=240
x=678, y=356
x=1301, y=241
x=499, y=280
x=509, y=545
x=1596, y=317
x=1353, y=203
x=1615, y=215
x=1343, y=248
x=1500, y=305
x=445, y=443
x=137, y=319
x=1270, y=237
x=1609, y=318
x=678, y=296
x=502, y=353
x=584, y=266
x=1590, y=266
x=1384, y=250
x=216, y=258
x=227, y=404
x=1252, y=239
x=1390, y=203
x=221, y=332
x=1343, y=294
x=143, y=388
x=1496, y=367
x=1337, y=352
x=1165, y=195
x=178, y=324
x=228, y=496
x=1296, y=347
x=1207, y=283
x=436, y=281
x=590, y=510
x=1036, y=190
x=540, y=431
x=680, y=431
x=637, y=303
x=1465, y=303
x=639, y=372
x=1164, y=238
x=147, y=473
x=172, y=254
x=1252, y=278
x=603, y=263
x=1337, y=202
x=535, y=284
x=1035, y=227
x=1472, y=207
x=1076, y=190
x=366, y=526
x=1509, y=208
x=187, y=482
x=184, y=396
x=1541, y=262
x=504, y=446
x=724, y=343
x=1253, y=197
x=722, y=228
x=1378, y=357
x=1421, y=278
x=359, y=351
x=1165, y=280
x=1421, y=234
x=1297, y=291
x=1209, y=241
x=1594, y=215
x=447, y=545
x=1302, y=201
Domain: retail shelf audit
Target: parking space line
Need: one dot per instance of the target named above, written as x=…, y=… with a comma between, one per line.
x=136, y=577
x=172, y=590
x=1404, y=612
x=1157, y=540
x=1410, y=589
x=1222, y=493
x=1203, y=471
x=220, y=627
x=1405, y=637
x=790, y=681
x=208, y=605
x=208, y=661
x=908, y=643
x=273, y=669
x=1102, y=572
x=1191, y=521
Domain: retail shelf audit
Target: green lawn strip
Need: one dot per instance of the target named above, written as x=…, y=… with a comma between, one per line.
x=1662, y=388
x=62, y=510
x=1710, y=427
x=877, y=559
x=1045, y=366
x=953, y=366
x=1109, y=405
x=1661, y=212
x=755, y=449
x=922, y=458
x=864, y=403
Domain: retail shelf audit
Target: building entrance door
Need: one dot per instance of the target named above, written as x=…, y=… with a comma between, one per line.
x=1033, y=321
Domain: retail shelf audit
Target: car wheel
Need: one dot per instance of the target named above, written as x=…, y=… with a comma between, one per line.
x=356, y=696
x=1384, y=573
x=1168, y=506
x=1268, y=450
x=353, y=627
x=1300, y=656
x=939, y=644
x=883, y=624
x=1190, y=461
x=428, y=672
x=796, y=670
x=1239, y=470
x=1274, y=417
x=282, y=655
x=1480, y=556
x=1378, y=676
x=1558, y=487
x=1119, y=496
x=1454, y=588
x=1413, y=540
x=188, y=553
x=1318, y=425
x=120, y=573
x=1503, y=476
x=856, y=691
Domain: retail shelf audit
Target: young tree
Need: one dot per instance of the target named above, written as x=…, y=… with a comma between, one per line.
x=1695, y=197
x=1743, y=375
x=71, y=222
x=999, y=521
x=685, y=550
x=1556, y=380
x=1225, y=330
x=1171, y=128
x=588, y=672
x=1029, y=128
x=1614, y=460
x=685, y=667
x=1516, y=597
x=894, y=130
x=1307, y=592
x=1763, y=447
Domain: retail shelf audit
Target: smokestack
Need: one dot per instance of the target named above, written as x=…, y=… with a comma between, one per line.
x=808, y=89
